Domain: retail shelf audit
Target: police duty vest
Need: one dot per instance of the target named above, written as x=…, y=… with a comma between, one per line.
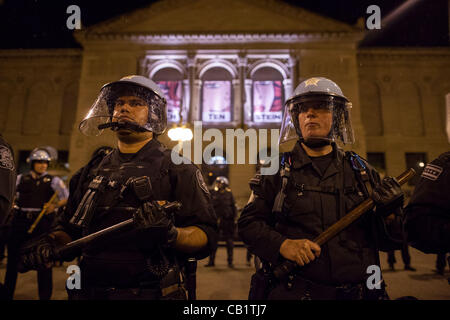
x=34, y=193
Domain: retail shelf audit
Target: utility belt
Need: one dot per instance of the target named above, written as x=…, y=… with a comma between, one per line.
x=26, y=213
x=311, y=290
x=169, y=288
x=167, y=285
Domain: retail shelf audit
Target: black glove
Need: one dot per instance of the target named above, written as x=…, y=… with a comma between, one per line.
x=387, y=196
x=37, y=254
x=154, y=226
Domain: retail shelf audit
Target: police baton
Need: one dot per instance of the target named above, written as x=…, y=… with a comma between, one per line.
x=287, y=266
x=41, y=214
x=169, y=207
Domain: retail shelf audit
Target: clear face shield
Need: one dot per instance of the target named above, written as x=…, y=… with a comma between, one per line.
x=341, y=124
x=105, y=112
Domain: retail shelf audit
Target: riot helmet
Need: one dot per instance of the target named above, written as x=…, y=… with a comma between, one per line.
x=317, y=93
x=220, y=183
x=39, y=154
x=101, y=113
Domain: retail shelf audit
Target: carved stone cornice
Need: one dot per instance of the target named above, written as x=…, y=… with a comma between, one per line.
x=41, y=53
x=179, y=39
x=404, y=54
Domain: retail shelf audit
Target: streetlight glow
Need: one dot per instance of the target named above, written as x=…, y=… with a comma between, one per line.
x=180, y=134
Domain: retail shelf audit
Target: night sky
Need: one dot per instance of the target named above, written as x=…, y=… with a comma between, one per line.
x=42, y=23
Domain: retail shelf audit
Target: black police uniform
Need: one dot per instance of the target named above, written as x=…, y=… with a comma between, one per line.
x=224, y=206
x=32, y=194
x=428, y=211
x=7, y=179
x=7, y=187
x=117, y=268
x=320, y=191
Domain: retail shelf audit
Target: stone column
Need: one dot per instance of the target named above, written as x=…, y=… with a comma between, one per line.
x=248, y=102
x=191, y=90
x=287, y=84
x=195, y=101
x=185, y=108
x=293, y=64
x=237, y=102
x=242, y=65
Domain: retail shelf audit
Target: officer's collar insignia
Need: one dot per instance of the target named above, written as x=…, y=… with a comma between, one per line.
x=432, y=172
x=201, y=182
x=6, y=159
x=312, y=82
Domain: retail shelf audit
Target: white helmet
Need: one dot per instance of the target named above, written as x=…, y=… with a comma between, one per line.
x=317, y=92
x=100, y=115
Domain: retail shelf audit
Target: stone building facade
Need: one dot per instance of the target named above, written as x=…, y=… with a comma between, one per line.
x=398, y=96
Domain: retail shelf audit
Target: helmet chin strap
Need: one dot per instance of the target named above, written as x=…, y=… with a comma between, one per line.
x=316, y=142
x=116, y=126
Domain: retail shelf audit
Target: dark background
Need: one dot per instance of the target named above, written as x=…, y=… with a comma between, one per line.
x=42, y=23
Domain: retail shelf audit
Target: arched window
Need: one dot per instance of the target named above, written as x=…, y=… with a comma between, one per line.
x=267, y=95
x=170, y=81
x=217, y=95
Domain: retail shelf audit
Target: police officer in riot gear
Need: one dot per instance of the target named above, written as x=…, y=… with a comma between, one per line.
x=318, y=184
x=133, y=181
x=7, y=179
x=225, y=208
x=427, y=215
x=34, y=189
x=7, y=187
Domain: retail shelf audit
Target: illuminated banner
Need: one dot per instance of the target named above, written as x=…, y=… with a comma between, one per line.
x=267, y=101
x=216, y=101
x=172, y=92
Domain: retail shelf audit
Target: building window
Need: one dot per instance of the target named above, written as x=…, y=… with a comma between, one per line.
x=267, y=96
x=417, y=161
x=378, y=161
x=217, y=96
x=171, y=83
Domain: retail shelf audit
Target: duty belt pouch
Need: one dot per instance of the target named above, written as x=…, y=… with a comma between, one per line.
x=171, y=286
x=260, y=285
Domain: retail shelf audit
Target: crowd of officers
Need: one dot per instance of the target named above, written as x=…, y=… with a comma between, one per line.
x=165, y=217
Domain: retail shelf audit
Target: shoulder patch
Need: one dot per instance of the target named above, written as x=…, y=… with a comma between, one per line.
x=432, y=172
x=6, y=158
x=201, y=182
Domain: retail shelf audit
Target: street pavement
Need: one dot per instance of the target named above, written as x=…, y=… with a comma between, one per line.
x=223, y=283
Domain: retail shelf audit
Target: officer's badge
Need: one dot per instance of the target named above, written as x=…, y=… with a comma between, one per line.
x=201, y=182
x=6, y=158
x=432, y=172
x=312, y=82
